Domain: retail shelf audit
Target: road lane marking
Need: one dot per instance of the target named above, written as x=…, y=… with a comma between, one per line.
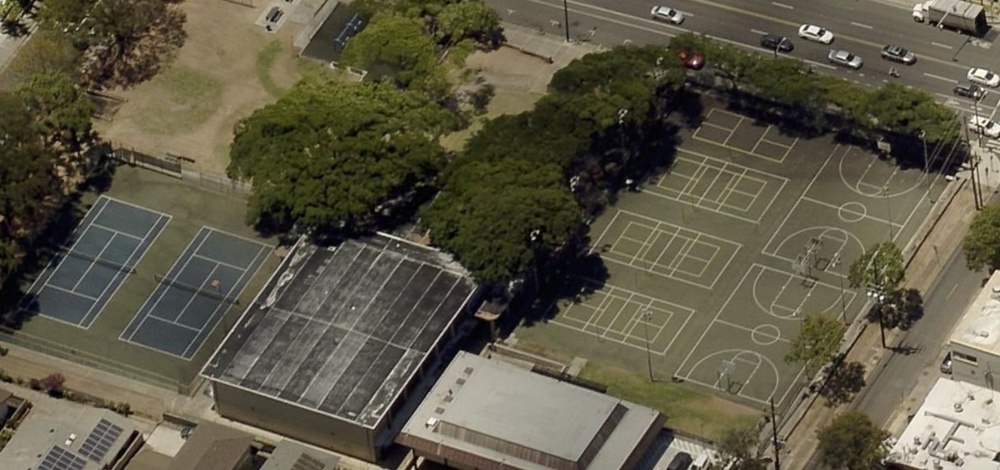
x=938, y=44
x=944, y=79
x=862, y=25
x=951, y=292
x=758, y=32
x=782, y=5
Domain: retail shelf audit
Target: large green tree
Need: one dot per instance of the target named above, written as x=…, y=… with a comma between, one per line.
x=60, y=108
x=905, y=110
x=126, y=41
x=331, y=154
x=852, y=442
x=469, y=20
x=499, y=218
x=881, y=268
x=27, y=170
x=982, y=242
x=817, y=342
x=396, y=45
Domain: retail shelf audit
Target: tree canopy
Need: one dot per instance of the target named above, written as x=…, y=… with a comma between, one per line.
x=982, y=243
x=126, y=42
x=60, y=109
x=852, y=442
x=336, y=155
x=739, y=449
x=881, y=268
x=817, y=342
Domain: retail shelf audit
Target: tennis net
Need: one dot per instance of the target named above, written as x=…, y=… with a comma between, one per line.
x=67, y=251
x=212, y=294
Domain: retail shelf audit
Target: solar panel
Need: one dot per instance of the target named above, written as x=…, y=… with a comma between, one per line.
x=61, y=459
x=306, y=462
x=100, y=440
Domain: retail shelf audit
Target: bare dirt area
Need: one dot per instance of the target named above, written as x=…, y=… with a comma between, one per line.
x=227, y=68
x=520, y=80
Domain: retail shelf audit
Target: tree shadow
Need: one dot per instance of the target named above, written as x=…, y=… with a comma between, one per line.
x=690, y=108
x=843, y=381
x=902, y=309
x=569, y=283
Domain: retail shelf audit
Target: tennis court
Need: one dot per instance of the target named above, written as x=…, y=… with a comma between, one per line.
x=93, y=262
x=192, y=297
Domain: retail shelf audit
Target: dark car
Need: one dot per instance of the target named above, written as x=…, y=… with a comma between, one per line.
x=691, y=59
x=776, y=42
x=970, y=90
x=946, y=364
x=680, y=461
x=898, y=54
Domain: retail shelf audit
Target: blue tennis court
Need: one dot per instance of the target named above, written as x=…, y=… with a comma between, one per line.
x=93, y=262
x=192, y=297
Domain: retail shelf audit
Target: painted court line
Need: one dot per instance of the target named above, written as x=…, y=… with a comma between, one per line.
x=799, y=200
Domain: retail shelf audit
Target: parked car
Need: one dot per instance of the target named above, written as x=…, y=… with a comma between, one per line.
x=844, y=58
x=681, y=461
x=691, y=59
x=984, y=126
x=946, y=364
x=815, y=33
x=970, y=90
x=667, y=14
x=898, y=54
x=983, y=77
x=776, y=42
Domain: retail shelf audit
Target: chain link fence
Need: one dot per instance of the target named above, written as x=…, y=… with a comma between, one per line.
x=176, y=166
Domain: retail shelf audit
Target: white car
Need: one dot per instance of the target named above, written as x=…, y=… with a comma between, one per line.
x=667, y=14
x=983, y=77
x=815, y=33
x=984, y=126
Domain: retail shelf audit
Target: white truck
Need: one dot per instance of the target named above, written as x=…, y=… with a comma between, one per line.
x=954, y=14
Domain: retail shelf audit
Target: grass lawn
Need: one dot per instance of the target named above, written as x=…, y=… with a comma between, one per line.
x=505, y=101
x=184, y=100
x=265, y=60
x=687, y=409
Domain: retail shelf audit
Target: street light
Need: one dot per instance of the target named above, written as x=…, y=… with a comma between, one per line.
x=927, y=163
x=840, y=275
x=646, y=317
x=876, y=292
x=566, y=17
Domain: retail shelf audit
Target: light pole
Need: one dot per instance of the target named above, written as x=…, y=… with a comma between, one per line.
x=840, y=276
x=646, y=317
x=625, y=157
x=927, y=163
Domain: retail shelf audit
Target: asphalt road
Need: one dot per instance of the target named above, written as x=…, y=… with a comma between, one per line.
x=860, y=26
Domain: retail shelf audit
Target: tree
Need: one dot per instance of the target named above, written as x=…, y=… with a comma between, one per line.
x=900, y=309
x=126, y=41
x=61, y=110
x=53, y=384
x=911, y=111
x=47, y=51
x=739, y=449
x=817, y=342
x=982, y=243
x=396, y=46
x=501, y=218
x=469, y=19
x=852, y=442
x=337, y=155
x=881, y=268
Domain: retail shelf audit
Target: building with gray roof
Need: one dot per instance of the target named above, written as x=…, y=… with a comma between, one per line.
x=337, y=339
x=485, y=414
x=79, y=438
x=290, y=455
x=213, y=446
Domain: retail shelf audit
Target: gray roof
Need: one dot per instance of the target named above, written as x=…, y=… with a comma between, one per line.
x=484, y=409
x=79, y=438
x=213, y=446
x=343, y=330
x=290, y=455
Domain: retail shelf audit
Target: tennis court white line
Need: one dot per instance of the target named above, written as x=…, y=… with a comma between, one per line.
x=597, y=241
x=220, y=263
x=71, y=292
x=171, y=322
x=116, y=232
x=86, y=229
x=837, y=208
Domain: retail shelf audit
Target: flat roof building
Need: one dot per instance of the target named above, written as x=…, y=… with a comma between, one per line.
x=956, y=428
x=975, y=341
x=290, y=455
x=486, y=414
x=82, y=439
x=213, y=446
x=338, y=338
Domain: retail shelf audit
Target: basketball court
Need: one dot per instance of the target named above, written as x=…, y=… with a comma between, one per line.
x=717, y=261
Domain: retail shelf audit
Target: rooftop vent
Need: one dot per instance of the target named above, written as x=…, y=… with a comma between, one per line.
x=958, y=407
x=431, y=422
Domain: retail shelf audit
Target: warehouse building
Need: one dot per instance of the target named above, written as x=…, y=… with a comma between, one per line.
x=338, y=339
x=975, y=342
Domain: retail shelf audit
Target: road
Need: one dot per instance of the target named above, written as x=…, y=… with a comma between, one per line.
x=861, y=26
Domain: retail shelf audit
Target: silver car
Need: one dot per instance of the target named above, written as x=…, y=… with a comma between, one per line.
x=845, y=58
x=898, y=54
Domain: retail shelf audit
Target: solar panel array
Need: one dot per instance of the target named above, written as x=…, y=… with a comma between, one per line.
x=100, y=440
x=306, y=462
x=61, y=459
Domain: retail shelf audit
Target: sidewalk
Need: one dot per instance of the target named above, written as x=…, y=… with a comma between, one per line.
x=550, y=48
x=943, y=240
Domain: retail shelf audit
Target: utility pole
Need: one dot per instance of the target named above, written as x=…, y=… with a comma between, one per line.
x=774, y=436
x=876, y=292
x=566, y=17
x=646, y=317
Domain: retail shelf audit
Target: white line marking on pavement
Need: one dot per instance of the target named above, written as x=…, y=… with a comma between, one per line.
x=782, y=5
x=861, y=25
x=944, y=79
x=938, y=44
x=755, y=31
